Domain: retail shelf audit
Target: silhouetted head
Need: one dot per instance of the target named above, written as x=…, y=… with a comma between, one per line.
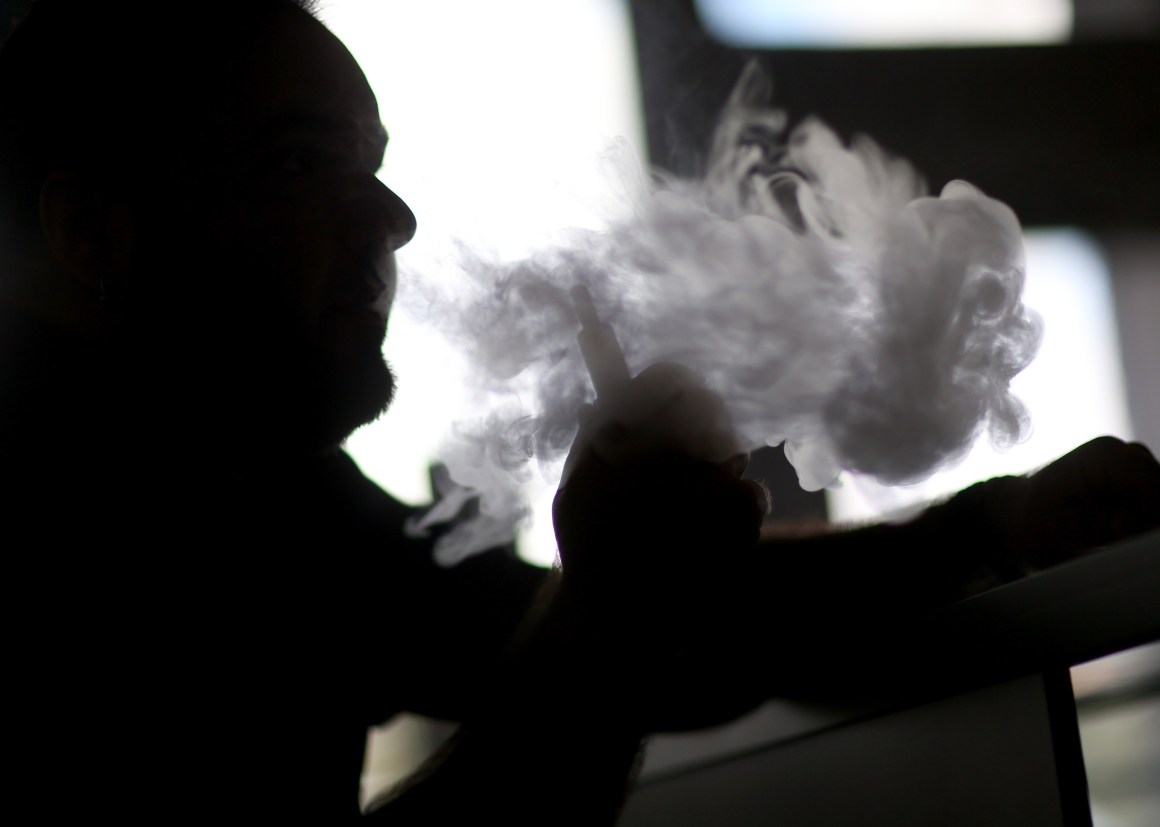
x=193, y=197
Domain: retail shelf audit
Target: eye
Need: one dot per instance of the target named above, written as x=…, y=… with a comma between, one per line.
x=299, y=160
x=295, y=160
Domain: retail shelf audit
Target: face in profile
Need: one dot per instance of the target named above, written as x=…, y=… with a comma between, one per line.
x=279, y=249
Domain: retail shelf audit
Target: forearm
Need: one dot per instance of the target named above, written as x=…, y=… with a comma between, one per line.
x=947, y=552
x=552, y=740
x=525, y=769
x=993, y=532
x=1102, y=492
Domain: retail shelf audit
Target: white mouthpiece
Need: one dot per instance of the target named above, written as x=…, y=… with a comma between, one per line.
x=598, y=345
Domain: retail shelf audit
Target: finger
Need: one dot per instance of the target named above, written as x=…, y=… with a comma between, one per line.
x=586, y=415
x=762, y=496
x=737, y=464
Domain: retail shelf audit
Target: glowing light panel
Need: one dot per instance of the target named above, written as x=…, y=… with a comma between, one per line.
x=822, y=23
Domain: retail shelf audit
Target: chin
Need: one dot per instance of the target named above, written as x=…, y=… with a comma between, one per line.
x=352, y=397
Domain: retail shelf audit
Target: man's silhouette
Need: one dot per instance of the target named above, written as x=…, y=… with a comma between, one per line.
x=207, y=604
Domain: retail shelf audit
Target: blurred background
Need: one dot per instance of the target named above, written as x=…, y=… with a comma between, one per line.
x=499, y=111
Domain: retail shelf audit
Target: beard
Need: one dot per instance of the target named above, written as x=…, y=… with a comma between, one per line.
x=312, y=396
x=345, y=396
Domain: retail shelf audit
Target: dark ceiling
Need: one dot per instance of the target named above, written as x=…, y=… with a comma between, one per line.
x=1065, y=134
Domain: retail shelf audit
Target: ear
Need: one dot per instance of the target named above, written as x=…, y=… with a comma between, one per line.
x=89, y=230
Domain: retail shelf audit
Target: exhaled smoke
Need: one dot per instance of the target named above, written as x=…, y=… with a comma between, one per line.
x=832, y=303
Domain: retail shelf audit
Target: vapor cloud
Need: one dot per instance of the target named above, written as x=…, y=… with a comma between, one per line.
x=818, y=288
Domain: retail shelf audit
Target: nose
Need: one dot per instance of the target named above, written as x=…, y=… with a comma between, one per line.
x=401, y=219
x=380, y=219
